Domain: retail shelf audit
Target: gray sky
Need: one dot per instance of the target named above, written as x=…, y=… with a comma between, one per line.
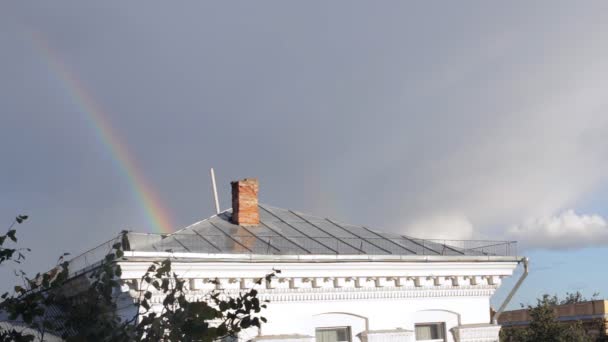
x=444, y=119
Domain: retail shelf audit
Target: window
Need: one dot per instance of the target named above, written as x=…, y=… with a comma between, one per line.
x=434, y=332
x=336, y=334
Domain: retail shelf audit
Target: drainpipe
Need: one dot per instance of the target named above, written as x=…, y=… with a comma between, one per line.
x=513, y=290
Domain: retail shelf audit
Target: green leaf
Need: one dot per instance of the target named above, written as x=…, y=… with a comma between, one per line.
x=245, y=322
x=11, y=235
x=255, y=322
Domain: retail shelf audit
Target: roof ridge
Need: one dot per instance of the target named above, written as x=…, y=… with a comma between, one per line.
x=264, y=206
x=201, y=221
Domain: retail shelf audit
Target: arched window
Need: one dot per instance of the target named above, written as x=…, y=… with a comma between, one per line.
x=338, y=327
x=333, y=334
x=433, y=325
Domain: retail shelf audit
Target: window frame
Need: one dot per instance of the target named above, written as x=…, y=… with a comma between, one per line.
x=443, y=330
x=346, y=327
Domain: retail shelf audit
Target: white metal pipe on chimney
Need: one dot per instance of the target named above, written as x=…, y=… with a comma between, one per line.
x=217, y=201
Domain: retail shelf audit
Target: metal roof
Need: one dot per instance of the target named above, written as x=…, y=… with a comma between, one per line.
x=287, y=232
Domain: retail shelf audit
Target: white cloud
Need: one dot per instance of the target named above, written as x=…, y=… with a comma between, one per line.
x=528, y=143
x=444, y=226
x=565, y=230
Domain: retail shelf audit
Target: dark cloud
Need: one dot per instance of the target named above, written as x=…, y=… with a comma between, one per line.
x=393, y=115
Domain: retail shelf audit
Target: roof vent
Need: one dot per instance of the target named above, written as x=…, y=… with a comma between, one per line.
x=245, y=211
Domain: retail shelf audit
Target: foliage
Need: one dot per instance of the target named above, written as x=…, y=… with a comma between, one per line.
x=12, y=254
x=544, y=325
x=56, y=303
x=570, y=298
x=577, y=297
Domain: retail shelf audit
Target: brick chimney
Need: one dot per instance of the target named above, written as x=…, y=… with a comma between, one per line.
x=245, y=211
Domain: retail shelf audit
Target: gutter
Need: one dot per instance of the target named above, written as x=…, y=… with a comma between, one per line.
x=512, y=293
x=261, y=258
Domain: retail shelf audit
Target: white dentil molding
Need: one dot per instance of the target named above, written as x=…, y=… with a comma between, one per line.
x=333, y=281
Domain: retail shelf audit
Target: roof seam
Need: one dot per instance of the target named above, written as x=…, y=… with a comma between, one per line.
x=296, y=229
x=328, y=233
x=360, y=237
x=387, y=239
x=181, y=244
x=257, y=237
x=421, y=245
x=286, y=238
x=206, y=240
x=230, y=237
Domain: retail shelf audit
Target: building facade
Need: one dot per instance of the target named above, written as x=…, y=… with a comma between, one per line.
x=592, y=314
x=338, y=282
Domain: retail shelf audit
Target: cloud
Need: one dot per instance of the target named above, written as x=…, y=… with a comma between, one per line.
x=529, y=145
x=565, y=230
x=445, y=226
x=439, y=124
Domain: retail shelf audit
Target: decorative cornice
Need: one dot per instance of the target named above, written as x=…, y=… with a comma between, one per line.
x=366, y=282
x=373, y=289
x=371, y=293
x=346, y=294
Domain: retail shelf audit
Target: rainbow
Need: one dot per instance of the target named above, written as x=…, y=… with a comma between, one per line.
x=156, y=214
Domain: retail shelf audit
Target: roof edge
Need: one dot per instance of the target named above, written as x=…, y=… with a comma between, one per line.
x=319, y=257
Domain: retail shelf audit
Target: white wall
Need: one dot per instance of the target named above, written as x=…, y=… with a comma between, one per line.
x=369, y=296
x=304, y=317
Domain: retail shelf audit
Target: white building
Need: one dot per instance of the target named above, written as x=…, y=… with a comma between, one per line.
x=338, y=282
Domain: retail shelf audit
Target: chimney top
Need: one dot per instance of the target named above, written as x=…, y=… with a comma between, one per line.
x=245, y=211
